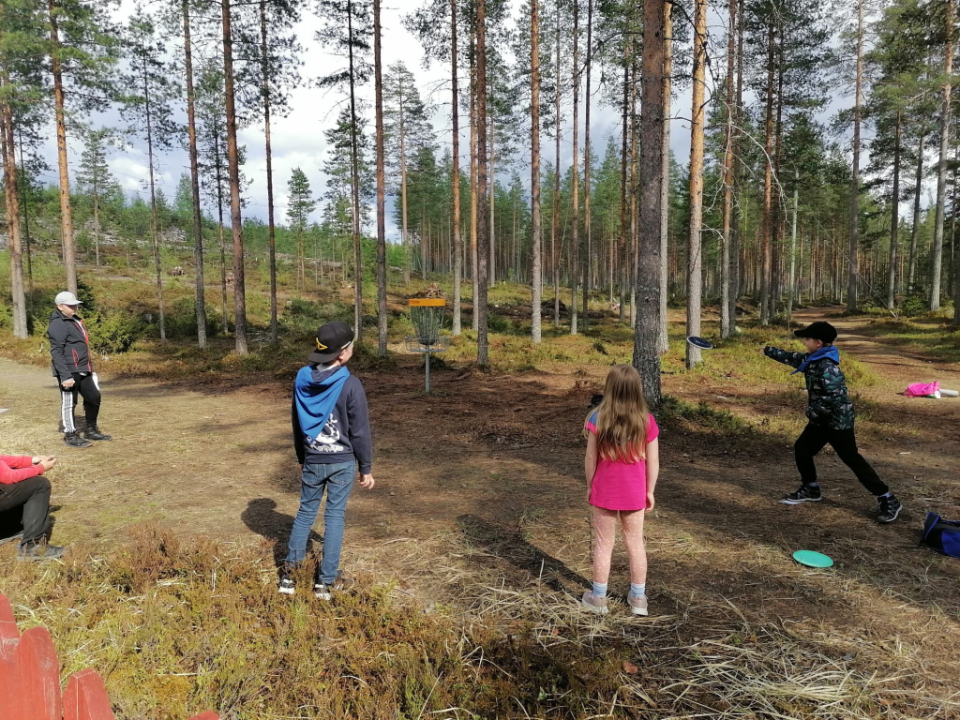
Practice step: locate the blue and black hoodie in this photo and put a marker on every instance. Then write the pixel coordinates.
(331, 423)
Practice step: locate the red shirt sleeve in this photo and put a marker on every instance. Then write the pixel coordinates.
(14, 468)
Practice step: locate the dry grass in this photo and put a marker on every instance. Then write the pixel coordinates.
(178, 625)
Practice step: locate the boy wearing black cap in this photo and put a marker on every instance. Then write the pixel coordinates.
(331, 435)
(831, 419)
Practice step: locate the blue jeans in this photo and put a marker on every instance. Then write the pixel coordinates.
(338, 481)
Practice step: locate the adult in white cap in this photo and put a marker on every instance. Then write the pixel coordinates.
(73, 368)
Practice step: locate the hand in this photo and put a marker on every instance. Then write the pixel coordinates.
(36, 460)
(763, 351)
(367, 481)
(67, 384)
(48, 463)
(650, 502)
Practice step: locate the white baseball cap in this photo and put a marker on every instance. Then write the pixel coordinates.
(66, 298)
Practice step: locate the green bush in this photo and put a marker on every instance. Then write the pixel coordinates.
(303, 317)
(913, 306)
(180, 320)
(115, 333)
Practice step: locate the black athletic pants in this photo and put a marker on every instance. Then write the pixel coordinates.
(844, 442)
(34, 495)
(87, 387)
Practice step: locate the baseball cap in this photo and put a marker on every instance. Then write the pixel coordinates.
(66, 298)
(332, 339)
(820, 330)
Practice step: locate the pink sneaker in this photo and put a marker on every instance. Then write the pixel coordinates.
(638, 605)
(594, 604)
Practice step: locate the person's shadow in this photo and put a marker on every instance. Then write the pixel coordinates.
(510, 545)
(262, 518)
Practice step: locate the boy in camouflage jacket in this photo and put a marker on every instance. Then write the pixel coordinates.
(830, 418)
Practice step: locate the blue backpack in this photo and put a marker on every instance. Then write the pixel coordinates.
(942, 535)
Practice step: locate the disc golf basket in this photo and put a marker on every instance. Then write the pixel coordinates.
(427, 316)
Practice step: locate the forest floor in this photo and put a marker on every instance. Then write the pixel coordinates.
(478, 516)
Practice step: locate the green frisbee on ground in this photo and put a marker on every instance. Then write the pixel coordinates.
(812, 559)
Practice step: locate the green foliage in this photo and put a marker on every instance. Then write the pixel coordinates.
(113, 333)
(302, 317)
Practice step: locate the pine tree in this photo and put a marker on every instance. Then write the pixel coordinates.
(83, 48)
(406, 131)
(147, 105)
(347, 27)
(645, 356)
(300, 204)
(94, 176)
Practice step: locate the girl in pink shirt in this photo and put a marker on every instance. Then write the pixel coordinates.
(621, 466)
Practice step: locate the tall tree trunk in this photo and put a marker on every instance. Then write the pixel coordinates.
(201, 308)
(355, 182)
(483, 244)
(937, 264)
(735, 265)
(792, 278)
(492, 270)
(766, 274)
(25, 206)
(271, 231)
(455, 116)
(663, 338)
(11, 196)
(645, 356)
(853, 276)
(66, 214)
(588, 229)
(381, 188)
(154, 220)
(575, 190)
(624, 230)
(915, 230)
(407, 255)
(536, 240)
(474, 253)
(694, 259)
(220, 239)
(233, 163)
(894, 218)
(555, 243)
(726, 289)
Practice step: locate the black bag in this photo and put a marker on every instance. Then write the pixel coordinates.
(942, 535)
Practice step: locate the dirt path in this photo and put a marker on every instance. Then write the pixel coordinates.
(492, 464)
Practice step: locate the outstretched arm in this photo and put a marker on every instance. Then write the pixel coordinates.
(792, 359)
(590, 462)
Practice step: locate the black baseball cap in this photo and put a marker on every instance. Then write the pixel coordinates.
(332, 339)
(820, 330)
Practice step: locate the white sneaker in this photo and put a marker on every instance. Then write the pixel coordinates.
(638, 605)
(594, 604)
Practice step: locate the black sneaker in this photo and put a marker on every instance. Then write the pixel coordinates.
(890, 509)
(74, 440)
(40, 551)
(324, 591)
(93, 433)
(806, 493)
(287, 586)
(5, 540)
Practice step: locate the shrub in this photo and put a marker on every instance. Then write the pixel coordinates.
(115, 333)
(912, 306)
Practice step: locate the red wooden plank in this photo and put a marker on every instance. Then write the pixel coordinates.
(8, 623)
(39, 674)
(11, 699)
(209, 715)
(86, 698)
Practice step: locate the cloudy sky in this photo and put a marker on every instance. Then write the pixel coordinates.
(298, 139)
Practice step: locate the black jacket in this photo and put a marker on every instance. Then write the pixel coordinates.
(828, 403)
(69, 345)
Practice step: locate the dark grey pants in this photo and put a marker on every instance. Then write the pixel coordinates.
(33, 495)
(844, 443)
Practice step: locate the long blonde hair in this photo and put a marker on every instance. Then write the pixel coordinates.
(622, 417)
